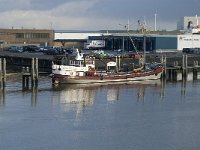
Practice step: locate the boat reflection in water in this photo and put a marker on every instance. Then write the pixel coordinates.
(74, 96)
(85, 94)
(113, 94)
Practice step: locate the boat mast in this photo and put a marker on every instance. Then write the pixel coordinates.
(144, 45)
(142, 29)
(127, 30)
(131, 40)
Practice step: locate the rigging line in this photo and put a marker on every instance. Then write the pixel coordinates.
(132, 41)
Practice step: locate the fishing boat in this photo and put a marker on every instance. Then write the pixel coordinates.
(82, 70)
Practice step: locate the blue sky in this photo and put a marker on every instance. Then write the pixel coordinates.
(94, 14)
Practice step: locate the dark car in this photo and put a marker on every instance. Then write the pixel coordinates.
(15, 49)
(31, 48)
(51, 51)
(191, 50)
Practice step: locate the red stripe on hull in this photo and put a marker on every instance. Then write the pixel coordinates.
(63, 79)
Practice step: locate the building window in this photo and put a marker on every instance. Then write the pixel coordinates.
(20, 35)
(32, 35)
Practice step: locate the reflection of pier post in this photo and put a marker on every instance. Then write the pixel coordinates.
(140, 94)
(2, 72)
(163, 78)
(195, 70)
(2, 96)
(184, 66)
(34, 96)
(163, 83)
(183, 87)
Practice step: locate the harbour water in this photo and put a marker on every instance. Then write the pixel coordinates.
(154, 116)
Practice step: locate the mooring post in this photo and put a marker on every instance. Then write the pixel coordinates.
(25, 77)
(183, 61)
(186, 62)
(196, 63)
(119, 63)
(2, 96)
(195, 73)
(2, 72)
(116, 60)
(164, 63)
(170, 74)
(34, 72)
(184, 66)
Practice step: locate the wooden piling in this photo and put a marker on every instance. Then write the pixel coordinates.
(2, 72)
(184, 66)
(33, 74)
(164, 62)
(2, 96)
(195, 73)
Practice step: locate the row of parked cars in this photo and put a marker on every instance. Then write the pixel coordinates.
(191, 50)
(44, 49)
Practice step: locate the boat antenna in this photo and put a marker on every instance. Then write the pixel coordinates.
(197, 20)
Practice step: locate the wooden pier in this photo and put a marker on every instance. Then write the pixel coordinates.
(180, 70)
(177, 66)
(28, 74)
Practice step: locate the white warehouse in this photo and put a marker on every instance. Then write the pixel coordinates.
(79, 39)
(188, 41)
(76, 35)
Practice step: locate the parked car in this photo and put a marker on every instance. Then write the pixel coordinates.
(51, 51)
(15, 49)
(31, 48)
(44, 48)
(191, 50)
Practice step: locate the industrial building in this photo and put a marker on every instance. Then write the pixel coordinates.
(27, 36)
(115, 40)
(112, 40)
(69, 39)
(188, 41)
(136, 41)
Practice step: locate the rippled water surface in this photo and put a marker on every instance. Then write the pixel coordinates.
(153, 116)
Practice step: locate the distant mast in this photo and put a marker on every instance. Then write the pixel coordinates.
(128, 25)
(197, 20)
(155, 29)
